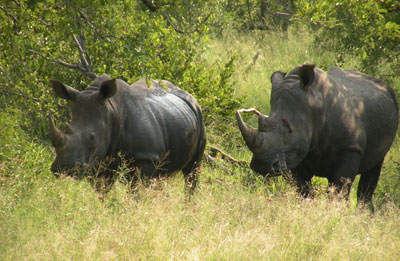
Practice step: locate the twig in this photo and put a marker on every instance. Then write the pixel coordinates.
(85, 17)
(181, 31)
(228, 157)
(30, 15)
(2, 89)
(159, 52)
(9, 14)
(212, 161)
(7, 76)
(15, 21)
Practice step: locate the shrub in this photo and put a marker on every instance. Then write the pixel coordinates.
(367, 29)
(123, 39)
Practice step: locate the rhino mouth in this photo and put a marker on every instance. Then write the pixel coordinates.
(271, 167)
(74, 170)
(272, 173)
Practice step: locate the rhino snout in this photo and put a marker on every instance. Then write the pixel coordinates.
(272, 166)
(68, 169)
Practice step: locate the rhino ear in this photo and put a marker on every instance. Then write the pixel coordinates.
(306, 74)
(277, 77)
(108, 88)
(64, 91)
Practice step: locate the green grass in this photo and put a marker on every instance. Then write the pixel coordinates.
(233, 215)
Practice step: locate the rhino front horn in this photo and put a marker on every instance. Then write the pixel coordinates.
(57, 137)
(250, 135)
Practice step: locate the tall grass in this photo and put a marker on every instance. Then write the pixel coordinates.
(64, 219)
(233, 215)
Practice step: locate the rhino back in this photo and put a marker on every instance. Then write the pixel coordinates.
(362, 115)
(157, 125)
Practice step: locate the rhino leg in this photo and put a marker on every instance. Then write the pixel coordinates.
(367, 185)
(146, 168)
(302, 179)
(344, 171)
(191, 171)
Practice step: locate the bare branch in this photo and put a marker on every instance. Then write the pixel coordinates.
(8, 13)
(3, 89)
(7, 76)
(13, 18)
(227, 157)
(159, 52)
(213, 162)
(69, 65)
(185, 32)
(98, 33)
(85, 65)
(84, 62)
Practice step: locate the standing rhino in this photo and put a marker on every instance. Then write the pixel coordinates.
(334, 125)
(159, 129)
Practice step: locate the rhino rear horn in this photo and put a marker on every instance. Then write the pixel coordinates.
(57, 137)
(250, 135)
(265, 124)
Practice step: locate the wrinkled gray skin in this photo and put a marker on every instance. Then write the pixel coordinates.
(334, 125)
(160, 129)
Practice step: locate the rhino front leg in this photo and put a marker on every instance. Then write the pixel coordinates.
(344, 169)
(146, 168)
(302, 179)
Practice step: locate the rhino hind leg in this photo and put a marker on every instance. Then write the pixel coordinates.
(191, 170)
(190, 173)
(367, 185)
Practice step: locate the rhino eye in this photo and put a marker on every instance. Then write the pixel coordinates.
(287, 125)
(92, 138)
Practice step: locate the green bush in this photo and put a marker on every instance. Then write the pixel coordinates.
(369, 30)
(123, 39)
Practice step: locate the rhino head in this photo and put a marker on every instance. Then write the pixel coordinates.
(270, 144)
(282, 139)
(87, 138)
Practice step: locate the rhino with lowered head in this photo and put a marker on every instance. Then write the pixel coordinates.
(334, 125)
(159, 129)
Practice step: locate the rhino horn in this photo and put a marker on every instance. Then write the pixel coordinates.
(250, 135)
(57, 137)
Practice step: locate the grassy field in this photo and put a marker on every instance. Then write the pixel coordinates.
(233, 215)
